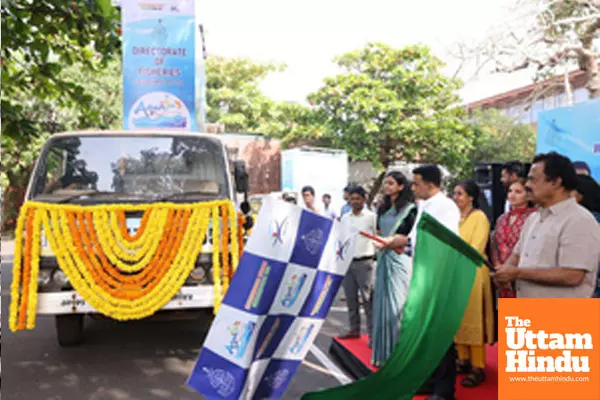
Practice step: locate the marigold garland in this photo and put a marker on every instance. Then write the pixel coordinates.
(216, 264)
(121, 275)
(241, 222)
(225, 254)
(123, 225)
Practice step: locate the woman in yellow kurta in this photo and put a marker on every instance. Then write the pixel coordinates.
(477, 328)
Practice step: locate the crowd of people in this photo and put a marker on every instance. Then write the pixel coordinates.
(546, 244)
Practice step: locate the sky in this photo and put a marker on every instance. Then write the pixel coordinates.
(306, 35)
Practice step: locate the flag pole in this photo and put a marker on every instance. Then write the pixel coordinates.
(380, 240)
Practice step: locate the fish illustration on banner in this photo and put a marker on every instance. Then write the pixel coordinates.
(286, 281)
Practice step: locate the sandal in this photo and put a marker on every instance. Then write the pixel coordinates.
(463, 367)
(474, 379)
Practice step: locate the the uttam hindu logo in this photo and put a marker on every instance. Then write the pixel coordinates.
(548, 349)
(524, 344)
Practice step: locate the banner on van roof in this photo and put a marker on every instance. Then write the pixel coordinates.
(159, 65)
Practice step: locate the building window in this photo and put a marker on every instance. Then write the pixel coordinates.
(537, 107)
(525, 114)
(548, 103)
(580, 95)
(561, 100)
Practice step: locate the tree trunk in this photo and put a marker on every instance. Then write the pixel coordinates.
(385, 150)
(11, 204)
(593, 77)
(375, 188)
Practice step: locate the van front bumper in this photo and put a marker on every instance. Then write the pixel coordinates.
(71, 302)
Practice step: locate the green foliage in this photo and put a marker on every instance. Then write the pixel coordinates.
(42, 38)
(293, 123)
(105, 87)
(498, 139)
(18, 153)
(235, 100)
(394, 104)
(233, 96)
(18, 158)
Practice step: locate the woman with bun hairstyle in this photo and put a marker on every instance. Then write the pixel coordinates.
(477, 327)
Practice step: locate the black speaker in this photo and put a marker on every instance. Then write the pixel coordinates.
(493, 193)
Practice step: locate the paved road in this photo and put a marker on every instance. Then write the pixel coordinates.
(136, 360)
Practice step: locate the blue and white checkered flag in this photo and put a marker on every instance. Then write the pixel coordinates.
(287, 278)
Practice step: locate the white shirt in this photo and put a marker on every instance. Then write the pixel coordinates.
(318, 209)
(441, 208)
(365, 221)
(330, 213)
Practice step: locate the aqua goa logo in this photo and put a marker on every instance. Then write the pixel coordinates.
(241, 333)
(342, 249)
(278, 230)
(526, 348)
(159, 110)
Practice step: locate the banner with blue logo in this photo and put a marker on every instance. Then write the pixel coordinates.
(158, 64)
(573, 131)
(287, 279)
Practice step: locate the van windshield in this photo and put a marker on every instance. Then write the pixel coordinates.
(130, 167)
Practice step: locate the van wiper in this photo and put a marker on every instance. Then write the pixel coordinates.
(212, 195)
(80, 195)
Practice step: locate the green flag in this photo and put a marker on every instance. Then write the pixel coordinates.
(444, 269)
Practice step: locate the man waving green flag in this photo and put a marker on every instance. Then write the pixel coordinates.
(444, 269)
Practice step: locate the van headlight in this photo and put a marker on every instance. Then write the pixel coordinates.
(60, 278)
(198, 274)
(44, 277)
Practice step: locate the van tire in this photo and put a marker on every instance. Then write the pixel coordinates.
(69, 329)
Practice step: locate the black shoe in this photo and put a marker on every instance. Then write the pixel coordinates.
(474, 379)
(464, 367)
(350, 335)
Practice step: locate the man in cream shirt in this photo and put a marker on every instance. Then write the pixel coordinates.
(559, 248)
(359, 278)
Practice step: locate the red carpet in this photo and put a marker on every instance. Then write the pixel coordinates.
(489, 390)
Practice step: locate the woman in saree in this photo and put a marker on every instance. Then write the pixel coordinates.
(477, 327)
(396, 215)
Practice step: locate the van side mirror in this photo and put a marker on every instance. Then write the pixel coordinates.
(241, 176)
(249, 222)
(245, 207)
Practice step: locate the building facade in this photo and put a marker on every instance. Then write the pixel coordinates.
(524, 104)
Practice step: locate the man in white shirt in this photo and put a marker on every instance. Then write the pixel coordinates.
(308, 195)
(328, 211)
(359, 278)
(426, 187)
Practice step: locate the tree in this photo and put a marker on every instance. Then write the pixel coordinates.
(48, 116)
(394, 104)
(42, 38)
(233, 96)
(235, 100)
(498, 138)
(293, 123)
(549, 36)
